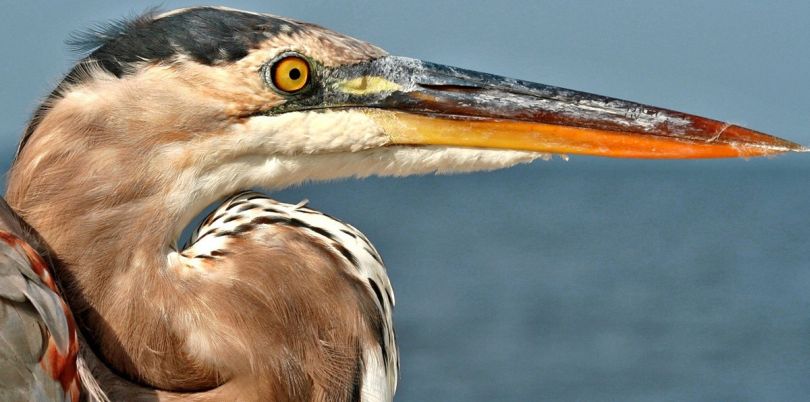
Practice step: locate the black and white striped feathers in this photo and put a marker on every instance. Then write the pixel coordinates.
(252, 215)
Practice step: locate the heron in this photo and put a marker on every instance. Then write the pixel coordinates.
(169, 113)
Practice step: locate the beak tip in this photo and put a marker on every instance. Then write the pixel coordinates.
(766, 143)
(790, 146)
(784, 148)
(800, 148)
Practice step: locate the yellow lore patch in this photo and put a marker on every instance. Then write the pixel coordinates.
(368, 85)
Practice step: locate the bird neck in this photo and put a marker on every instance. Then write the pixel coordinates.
(109, 192)
(113, 229)
(111, 234)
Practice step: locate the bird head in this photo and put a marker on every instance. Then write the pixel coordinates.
(208, 101)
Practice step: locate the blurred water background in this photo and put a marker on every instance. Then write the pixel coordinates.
(587, 280)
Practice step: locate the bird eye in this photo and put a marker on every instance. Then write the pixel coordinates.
(289, 74)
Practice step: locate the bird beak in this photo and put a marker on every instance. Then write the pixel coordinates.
(422, 103)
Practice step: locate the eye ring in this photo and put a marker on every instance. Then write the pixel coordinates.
(289, 73)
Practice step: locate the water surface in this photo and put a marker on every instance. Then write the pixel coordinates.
(595, 280)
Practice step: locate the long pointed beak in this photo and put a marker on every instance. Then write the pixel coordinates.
(421, 103)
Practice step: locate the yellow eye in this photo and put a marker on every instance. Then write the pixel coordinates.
(290, 74)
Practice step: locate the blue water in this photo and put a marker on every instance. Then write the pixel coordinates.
(595, 280)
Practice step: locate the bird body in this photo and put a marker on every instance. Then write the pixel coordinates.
(37, 330)
(269, 301)
(252, 231)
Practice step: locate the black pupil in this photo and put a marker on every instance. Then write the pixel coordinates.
(295, 74)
